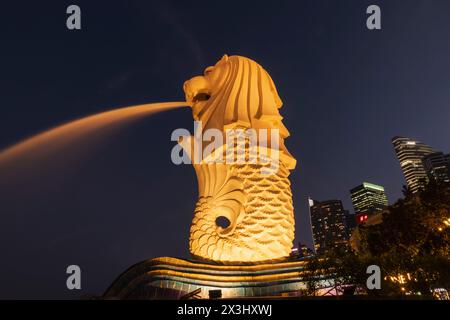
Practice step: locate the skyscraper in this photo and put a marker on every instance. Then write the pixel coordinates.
(367, 199)
(410, 154)
(328, 224)
(437, 166)
(350, 222)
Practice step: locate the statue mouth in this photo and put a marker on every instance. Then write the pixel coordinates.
(197, 90)
(201, 96)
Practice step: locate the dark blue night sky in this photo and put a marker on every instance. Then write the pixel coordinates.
(346, 91)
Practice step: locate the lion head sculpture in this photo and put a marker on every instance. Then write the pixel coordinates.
(237, 93)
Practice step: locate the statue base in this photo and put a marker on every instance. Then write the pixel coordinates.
(172, 278)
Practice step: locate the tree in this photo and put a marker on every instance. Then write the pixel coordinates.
(411, 245)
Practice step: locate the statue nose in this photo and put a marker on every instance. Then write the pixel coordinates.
(188, 92)
(189, 86)
(185, 87)
(195, 86)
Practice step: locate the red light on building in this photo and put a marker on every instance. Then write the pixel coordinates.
(360, 218)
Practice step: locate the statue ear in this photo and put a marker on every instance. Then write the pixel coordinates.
(224, 58)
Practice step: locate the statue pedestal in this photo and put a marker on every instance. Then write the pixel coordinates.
(172, 278)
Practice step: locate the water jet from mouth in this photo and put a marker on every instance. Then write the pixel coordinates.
(52, 140)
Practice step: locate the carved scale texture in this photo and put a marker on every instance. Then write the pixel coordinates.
(258, 205)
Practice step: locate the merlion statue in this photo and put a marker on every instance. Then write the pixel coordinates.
(237, 93)
(244, 219)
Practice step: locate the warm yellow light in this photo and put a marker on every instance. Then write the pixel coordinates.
(52, 139)
(257, 205)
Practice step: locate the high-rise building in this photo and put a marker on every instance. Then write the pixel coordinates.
(437, 166)
(367, 199)
(410, 154)
(350, 222)
(328, 224)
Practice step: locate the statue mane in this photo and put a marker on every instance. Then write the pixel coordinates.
(242, 95)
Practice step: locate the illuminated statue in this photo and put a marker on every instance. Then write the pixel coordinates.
(237, 93)
(244, 218)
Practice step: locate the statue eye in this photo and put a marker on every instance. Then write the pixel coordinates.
(208, 70)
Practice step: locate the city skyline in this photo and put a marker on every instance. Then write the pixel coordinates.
(420, 162)
(369, 198)
(410, 154)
